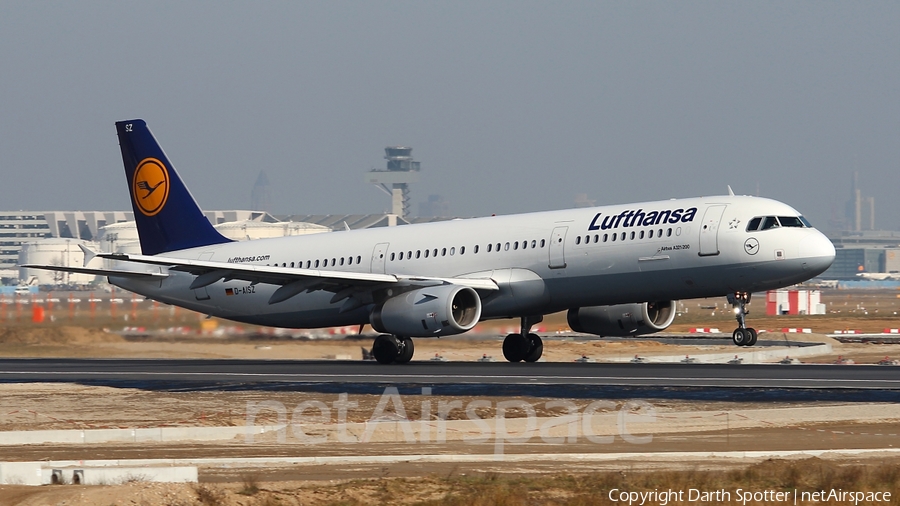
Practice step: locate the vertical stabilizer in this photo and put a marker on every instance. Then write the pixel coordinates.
(168, 218)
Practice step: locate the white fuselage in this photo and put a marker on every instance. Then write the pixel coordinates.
(543, 262)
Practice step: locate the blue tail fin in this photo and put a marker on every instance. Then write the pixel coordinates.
(167, 216)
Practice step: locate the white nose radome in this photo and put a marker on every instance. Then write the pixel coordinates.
(817, 252)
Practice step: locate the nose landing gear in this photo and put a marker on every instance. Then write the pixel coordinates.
(743, 335)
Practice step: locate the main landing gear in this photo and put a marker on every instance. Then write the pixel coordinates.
(391, 349)
(525, 345)
(743, 335)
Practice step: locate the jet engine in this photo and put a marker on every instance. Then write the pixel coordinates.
(623, 320)
(441, 310)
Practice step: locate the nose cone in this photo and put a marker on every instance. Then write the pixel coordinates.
(817, 252)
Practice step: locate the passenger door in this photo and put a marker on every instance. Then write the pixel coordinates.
(379, 255)
(709, 230)
(558, 248)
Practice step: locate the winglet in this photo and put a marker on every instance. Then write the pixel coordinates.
(89, 254)
(730, 191)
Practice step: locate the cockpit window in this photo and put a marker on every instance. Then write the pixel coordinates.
(769, 222)
(790, 221)
(754, 224)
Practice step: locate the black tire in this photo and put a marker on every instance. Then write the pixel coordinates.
(516, 347)
(406, 350)
(386, 349)
(536, 348)
(740, 337)
(753, 336)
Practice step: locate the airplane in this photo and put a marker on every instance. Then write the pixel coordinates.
(879, 276)
(616, 269)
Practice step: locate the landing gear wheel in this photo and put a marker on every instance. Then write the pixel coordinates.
(740, 337)
(406, 350)
(386, 348)
(753, 336)
(516, 347)
(536, 348)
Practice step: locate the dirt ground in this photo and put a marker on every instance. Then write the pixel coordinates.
(680, 425)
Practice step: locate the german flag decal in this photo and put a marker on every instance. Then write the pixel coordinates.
(229, 291)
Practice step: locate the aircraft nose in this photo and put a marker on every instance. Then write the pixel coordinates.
(817, 251)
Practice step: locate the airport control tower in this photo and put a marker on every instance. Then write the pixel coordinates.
(401, 170)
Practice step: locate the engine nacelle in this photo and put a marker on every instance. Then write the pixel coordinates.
(623, 320)
(441, 310)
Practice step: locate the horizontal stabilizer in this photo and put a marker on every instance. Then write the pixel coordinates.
(97, 272)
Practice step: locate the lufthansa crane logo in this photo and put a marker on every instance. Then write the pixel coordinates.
(150, 187)
(751, 246)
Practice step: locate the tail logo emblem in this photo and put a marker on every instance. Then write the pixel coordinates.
(150, 186)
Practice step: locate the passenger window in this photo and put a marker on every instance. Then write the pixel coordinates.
(533, 244)
(489, 247)
(434, 252)
(516, 245)
(443, 252)
(418, 253)
(790, 221)
(498, 247)
(401, 255)
(605, 237)
(769, 222)
(462, 250)
(317, 264)
(342, 260)
(754, 224)
(452, 251)
(333, 262)
(632, 235)
(426, 253)
(476, 249)
(506, 247)
(308, 264)
(669, 233)
(358, 259)
(642, 234)
(596, 238)
(578, 240)
(542, 243)
(409, 255)
(659, 233)
(292, 265)
(650, 234)
(614, 237)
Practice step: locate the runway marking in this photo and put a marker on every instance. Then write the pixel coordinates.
(394, 377)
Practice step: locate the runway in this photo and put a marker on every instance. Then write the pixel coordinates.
(194, 373)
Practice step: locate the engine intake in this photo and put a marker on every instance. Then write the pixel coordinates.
(623, 320)
(431, 311)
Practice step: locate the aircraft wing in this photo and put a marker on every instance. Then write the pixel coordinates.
(294, 280)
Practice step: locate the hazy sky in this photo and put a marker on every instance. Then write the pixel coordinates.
(509, 106)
